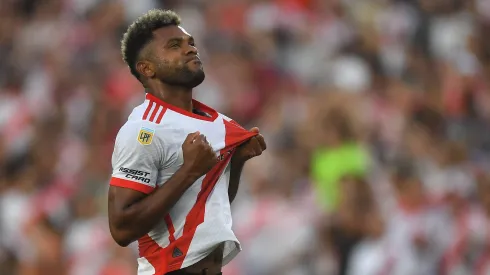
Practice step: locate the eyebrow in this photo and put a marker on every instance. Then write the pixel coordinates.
(179, 39)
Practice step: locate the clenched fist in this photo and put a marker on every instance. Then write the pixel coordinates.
(250, 149)
(199, 156)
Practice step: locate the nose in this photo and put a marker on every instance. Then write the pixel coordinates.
(191, 50)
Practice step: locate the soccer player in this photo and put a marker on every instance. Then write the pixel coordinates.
(176, 162)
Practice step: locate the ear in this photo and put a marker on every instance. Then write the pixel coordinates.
(145, 68)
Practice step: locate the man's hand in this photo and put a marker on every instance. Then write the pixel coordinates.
(199, 156)
(250, 149)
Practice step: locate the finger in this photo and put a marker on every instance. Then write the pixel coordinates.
(255, 147)
(257, 152)
(191, 137)
(254, 130)
(202, 139)
(261, 141)
(213, 155)
(205, 140)
(245, 143)
(210, 148)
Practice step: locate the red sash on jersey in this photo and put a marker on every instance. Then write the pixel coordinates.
(163, 259)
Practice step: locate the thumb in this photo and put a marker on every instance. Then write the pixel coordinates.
(254, 130)
(191, 137)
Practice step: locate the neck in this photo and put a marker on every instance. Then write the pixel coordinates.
(175, 95)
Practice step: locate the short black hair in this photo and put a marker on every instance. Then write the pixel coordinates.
(140, 33)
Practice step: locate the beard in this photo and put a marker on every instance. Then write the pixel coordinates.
(182, 76)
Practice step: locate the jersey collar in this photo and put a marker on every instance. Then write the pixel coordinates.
(195, 104)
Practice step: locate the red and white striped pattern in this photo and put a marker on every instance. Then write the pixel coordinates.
(154, 112)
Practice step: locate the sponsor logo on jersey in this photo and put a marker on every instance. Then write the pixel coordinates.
(145, 136)
(137, 175)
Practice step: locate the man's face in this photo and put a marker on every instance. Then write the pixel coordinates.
(175, 57)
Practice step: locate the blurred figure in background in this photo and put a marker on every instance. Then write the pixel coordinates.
(340, 155)
(347, 224)
(372, 255)
(480, 229)
(414, 226)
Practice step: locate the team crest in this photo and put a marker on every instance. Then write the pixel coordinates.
(145, 136)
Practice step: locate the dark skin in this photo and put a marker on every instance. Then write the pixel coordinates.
(250, 149)
(169, 68)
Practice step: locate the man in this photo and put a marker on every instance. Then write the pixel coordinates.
(176, 161)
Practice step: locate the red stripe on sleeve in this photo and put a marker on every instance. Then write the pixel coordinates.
(131, 185)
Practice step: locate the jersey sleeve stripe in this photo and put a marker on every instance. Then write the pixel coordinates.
(150, 105)
(131, 185)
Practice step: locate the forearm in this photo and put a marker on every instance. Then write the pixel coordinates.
(235, 174)
(138, 218)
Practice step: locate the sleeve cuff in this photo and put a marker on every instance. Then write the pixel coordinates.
(131, 185)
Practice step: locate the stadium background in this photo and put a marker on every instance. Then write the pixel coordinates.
(376, 114)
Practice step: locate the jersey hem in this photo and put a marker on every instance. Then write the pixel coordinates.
(226, 258)
(131, 185)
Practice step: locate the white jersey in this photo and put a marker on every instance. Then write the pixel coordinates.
(148, 151)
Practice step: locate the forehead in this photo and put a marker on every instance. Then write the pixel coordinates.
(170, 32)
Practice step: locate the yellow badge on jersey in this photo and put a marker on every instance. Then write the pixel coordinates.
(145, 136)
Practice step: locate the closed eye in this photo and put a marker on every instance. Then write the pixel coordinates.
(174, 43)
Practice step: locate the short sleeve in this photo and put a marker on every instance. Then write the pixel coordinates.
(136, 158)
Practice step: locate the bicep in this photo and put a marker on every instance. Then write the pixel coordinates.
(121, 198)
(121, 216)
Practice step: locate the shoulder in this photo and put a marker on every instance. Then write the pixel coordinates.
(145, 138)
(140, 133)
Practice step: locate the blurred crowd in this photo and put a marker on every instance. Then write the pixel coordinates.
(376, 114)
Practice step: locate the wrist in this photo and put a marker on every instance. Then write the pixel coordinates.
(238, 161)
(189, 176)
